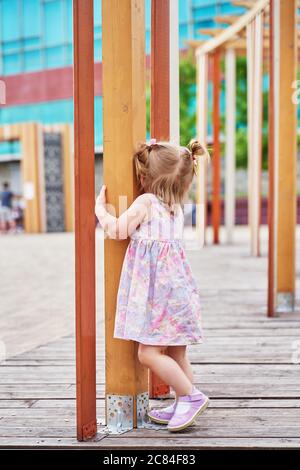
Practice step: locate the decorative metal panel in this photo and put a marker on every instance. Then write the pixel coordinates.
(54, 194)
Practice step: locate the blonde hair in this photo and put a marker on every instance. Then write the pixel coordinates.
(167, 170)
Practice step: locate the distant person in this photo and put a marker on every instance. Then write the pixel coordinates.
(6, 213)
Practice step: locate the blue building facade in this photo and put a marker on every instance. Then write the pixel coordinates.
(36, 35)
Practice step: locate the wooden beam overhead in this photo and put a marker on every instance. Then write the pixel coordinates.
(240, 44)
(243, 3)
(233, 30)
(226, 19)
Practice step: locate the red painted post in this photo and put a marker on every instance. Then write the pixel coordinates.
(160, 108)
(271, 168)
(84, 219)
(216, 209)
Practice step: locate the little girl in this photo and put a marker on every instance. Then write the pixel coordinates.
(158, 303)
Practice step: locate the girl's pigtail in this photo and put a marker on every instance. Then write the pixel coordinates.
(198, 150)
(141, 160)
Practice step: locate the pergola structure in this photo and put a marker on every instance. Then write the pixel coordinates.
(266, 32)
(125, 123)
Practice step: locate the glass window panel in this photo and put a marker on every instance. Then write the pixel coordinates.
(97, 12)
(148, 14)
(98, 121)
(54, 23)
(10, 20)
(69, 21)
(183, 10)
(11, 64)
(11, 46)
(148, 42)
(183, 34)
(69, 55)
(98, 50)
(31, 18)
(54, 57)
(32, 60)
(10, 147)
(30, 43)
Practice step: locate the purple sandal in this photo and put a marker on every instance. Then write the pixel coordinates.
(187, 409)
(162, 415)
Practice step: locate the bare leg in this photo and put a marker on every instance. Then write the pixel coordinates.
(179, 354)
(166, 368)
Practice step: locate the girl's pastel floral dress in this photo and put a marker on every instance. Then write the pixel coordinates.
(158, 301)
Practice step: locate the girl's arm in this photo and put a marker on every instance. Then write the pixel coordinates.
(119, 228)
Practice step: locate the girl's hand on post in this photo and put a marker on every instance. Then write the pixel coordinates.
(101, 199)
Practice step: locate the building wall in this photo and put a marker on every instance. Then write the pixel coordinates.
(36, 54)
(37, 34)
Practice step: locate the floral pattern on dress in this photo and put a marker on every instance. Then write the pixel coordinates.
(158, 301)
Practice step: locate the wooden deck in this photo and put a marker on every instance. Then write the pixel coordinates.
(245, 366)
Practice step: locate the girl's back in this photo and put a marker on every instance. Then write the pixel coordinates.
(161, 224)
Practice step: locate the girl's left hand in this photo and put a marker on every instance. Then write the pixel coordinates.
(101, 199)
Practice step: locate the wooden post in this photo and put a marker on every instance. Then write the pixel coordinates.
(84, 218)
(31, 144)
(271, 171)
(283, 144)
(68, 166)
(124, 120)
(216, 212)
(201, 196)
(160, 69)
(174, 74)
(230, 143)
(161, 103)
(255, 72)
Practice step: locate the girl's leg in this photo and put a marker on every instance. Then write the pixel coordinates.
(165, 367)
(179, 354)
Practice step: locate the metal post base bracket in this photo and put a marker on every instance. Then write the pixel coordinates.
(285, 302)
(119, 412)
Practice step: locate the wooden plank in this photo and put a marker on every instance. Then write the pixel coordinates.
(124, 101)
(13, 406)
(84, 218)
(161, 105)
(152, 443)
